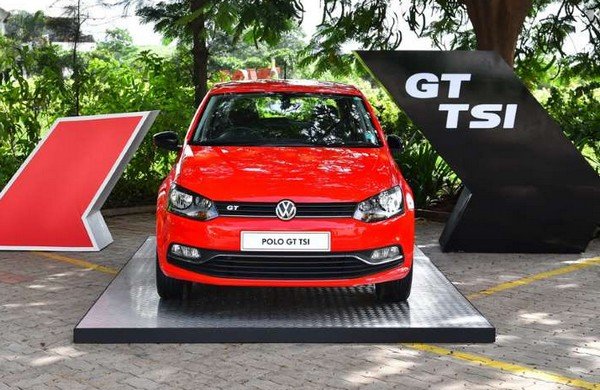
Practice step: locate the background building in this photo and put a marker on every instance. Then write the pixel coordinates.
(3, 16)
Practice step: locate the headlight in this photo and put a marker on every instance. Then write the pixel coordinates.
(188, 204)
(381, 206)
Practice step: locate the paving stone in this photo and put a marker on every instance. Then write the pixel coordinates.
(550, 325)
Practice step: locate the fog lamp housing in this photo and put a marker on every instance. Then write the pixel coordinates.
(186, 253)
(386, 254)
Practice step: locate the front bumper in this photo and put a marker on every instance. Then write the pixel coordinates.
(222, 235)
(284, 265)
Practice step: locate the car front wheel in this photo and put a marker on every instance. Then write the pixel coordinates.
(396, 290)
(169, 288)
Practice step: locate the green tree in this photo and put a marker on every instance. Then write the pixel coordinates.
(196, 22)
(118, 44)
(483, 24)
(25, 27)
(226, 53)
(141, 81)
(33, 92)
(77, 16)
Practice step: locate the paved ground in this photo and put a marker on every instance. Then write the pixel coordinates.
(546, 309)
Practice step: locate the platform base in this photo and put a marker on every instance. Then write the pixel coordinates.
(130, 311)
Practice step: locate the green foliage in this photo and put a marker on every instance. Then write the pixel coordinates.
(255, 21)
(195, 24)
(546, 36)
(117, 77)
(118, 44)
(430, 178)
(25, 27)
(376, 25)
(226, 53)
(372, 24)
(166, 17)
(34, 93)
(546, 32)
(577, 110)
(32, 86)
(266, 20)
(142, 83)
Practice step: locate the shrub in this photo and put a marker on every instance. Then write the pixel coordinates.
(32, 94)
(143, 82)
(577, 110)
(117, 77)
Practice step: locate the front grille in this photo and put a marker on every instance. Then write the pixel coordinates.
(273, 265)
(304, 210)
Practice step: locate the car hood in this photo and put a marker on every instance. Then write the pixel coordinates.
(269, 174)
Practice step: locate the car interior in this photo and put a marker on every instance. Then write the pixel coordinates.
(286, 119)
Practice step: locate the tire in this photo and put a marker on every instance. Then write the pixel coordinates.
(396, 290)
(169, 288)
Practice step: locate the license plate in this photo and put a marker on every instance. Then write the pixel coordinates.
(286, 241)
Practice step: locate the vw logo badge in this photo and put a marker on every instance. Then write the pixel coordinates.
(285, 210)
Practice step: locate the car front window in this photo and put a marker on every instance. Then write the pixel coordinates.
(286, 119)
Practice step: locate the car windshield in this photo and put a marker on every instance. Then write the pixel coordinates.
(286, 119)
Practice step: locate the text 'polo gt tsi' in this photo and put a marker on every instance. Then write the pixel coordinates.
(288, 184)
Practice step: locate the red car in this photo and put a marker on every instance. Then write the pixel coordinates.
(287, 184)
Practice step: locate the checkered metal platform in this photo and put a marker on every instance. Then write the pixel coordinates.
(130, 311)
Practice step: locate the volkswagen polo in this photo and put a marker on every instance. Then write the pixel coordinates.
(286, 184)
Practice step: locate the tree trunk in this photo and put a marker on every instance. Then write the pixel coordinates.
(199, 53)
(497, 24)
(75, 59)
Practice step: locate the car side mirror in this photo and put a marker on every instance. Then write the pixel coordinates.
(395, 143)
(168, 140)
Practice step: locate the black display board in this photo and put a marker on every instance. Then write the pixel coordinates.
(130, 311)
(527, 188)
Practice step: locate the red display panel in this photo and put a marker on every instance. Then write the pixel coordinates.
(53, 202)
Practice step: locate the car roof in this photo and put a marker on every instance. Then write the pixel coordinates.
(309, 86)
